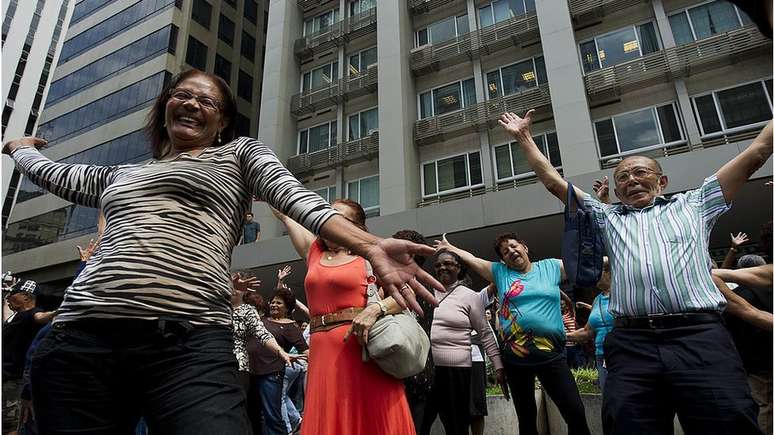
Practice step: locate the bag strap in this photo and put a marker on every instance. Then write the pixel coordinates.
(372, 294)
(572, 198)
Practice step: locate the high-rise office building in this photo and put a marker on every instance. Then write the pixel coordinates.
(115, 60)
(395, 104)
(32, 37)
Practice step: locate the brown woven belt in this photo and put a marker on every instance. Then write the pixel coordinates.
(329, 321)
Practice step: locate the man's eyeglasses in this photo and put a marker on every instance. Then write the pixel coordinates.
(208, 103)
(637, 173)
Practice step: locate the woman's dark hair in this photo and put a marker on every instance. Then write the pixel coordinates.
(504, 238)
(360, 216)
(155, 124)
(463, 273)
(288, 298)
(413, 236)
(256, 300)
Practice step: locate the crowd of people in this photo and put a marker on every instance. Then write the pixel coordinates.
(156, 334)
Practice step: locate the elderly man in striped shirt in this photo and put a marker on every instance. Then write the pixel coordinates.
(669, 352)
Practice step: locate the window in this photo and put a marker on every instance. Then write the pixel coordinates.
(452, 174)
(124, 101)
(705, 20)
(245, 86)
(233, 3)
(226, 30)
(222, 68)
(442, 31)
(319, 77)
(327, 193)
(86, 8)
(242, 125)
(54, 226)
(321, 23)
(251, 11)
(201, 13)
(111, 27)
(619, 46)
(728, 109)
(642, 129)
(502, 10)
(317, 138)
(359, 6)
(516, 78)
(196, 56)
(447, 98)
(265, 21)
(248, 46)
(112, 64)
(363, 124)
(359, 62)
(511, 163)
(365, 192)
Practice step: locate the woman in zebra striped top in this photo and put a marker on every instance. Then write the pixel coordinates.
(145, 329)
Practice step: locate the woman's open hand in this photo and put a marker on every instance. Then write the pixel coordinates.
(12, 145)
(243, 283)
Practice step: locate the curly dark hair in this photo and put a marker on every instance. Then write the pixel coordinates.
(413, 236)
(288, 298)
(256, 300)
(504, 237)
(155, 124)
(463, 273)
(360, 215)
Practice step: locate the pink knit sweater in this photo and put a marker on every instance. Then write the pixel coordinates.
(459, 312)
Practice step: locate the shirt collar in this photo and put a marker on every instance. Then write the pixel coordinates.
(659, 200)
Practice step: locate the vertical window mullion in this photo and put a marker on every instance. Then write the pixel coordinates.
(654, 112)
(639, 38)
(719, 111)
(738, 17)
(766, 93)
(596, 49)
(615, 133)
(690, 24)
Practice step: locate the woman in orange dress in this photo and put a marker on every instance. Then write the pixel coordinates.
(344, 395)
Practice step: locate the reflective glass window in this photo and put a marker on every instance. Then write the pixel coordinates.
(251, 11)
(226, 30)
(196, 54)
(245, 86)
(247, 47)
(201, 12)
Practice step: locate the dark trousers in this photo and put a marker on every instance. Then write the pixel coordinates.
(450, 400)
(558, 383)
(99, 376)
(266, 399)
(693, 371)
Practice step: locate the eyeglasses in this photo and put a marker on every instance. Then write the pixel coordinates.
(637, 173)
(208, 103)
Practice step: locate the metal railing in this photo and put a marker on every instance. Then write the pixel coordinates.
(481, 115)
(308, 5)
(333, 93)
(517, 30)
(337, 33)
(676, 62)
(584, 11)
(422, 6)
(354, 151)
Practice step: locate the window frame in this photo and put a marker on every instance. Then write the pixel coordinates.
(350, 12)
(333, 11)
(358, 113)
(490, 4)
(327, 192)
(311, 88)
(432, 100)
(653, 108)
(511, 144)
(719, 111)
(430, 32)
(359, 55)
(684, 10)
(499, 69)
(438, 192)
(633, 26)
(371, 209)
(331, 139)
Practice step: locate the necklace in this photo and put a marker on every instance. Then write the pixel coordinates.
(330, 255)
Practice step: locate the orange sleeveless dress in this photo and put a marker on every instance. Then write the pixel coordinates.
(344, 395)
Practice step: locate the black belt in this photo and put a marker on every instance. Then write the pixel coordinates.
(666, 321)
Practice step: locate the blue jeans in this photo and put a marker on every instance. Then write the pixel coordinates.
(290, 414)
(269, 390)
(602, 371)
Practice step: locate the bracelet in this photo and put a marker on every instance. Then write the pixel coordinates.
(382, 307)
(19, 148)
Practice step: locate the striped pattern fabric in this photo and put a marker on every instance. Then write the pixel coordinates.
(171, 228)
(659, 255)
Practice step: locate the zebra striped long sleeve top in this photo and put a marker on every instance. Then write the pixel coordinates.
(171, 226)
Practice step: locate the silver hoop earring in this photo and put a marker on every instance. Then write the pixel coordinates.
(219, 141)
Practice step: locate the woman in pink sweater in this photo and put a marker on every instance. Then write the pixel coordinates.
(460, 310)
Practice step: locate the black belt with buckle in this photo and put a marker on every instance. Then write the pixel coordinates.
(666, 321)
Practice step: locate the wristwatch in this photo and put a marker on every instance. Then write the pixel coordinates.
(382, 308)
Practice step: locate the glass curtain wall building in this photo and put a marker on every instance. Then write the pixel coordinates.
(115, 59)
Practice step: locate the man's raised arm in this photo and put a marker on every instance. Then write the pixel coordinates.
(519, 128)
(736, 172)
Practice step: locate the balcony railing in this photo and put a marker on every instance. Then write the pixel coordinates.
(422, 6)
(676, 62)
(588, 11)
(332, 94)
(481, 115)
(355, 151)
(337, 33)
(308, 5)
(521, 30)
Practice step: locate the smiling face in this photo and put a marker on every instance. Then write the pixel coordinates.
(638, 181)
(277, 308)
(515, 254)
(191, 124)
(447, 269)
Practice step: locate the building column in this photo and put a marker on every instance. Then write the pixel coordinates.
(478, 77)
(277, 127)
(683, 100)
(574, 127)
(398, 156)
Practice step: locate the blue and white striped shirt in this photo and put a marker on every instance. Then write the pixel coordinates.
(659, 255)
